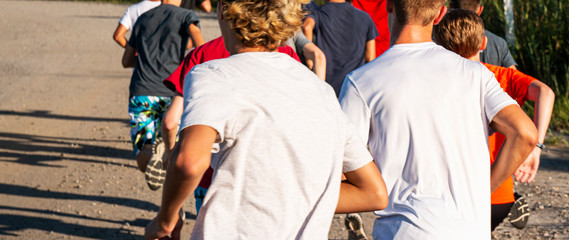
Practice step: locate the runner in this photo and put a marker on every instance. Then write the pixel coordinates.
(214, 49)
(281, 139)
(129, 19)
(148, 98)
(462, 32)
(424, 112)
(345, 35)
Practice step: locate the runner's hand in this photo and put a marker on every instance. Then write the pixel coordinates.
(154, 231)
(527, 171)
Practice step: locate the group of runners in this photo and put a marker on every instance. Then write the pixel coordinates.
(246, 123)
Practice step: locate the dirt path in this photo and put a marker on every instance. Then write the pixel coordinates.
(66, 168)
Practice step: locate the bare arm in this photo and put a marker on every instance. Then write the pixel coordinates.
(119, 35)
(544, 98)
(129, 57)
(170, 124)
(196, 35)
(315, 60)
(363, 190)
(191, 158)
(370, 50)
(308, 28)
(521, 137)
(205, 6)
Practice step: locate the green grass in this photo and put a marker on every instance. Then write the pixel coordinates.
(541, 49)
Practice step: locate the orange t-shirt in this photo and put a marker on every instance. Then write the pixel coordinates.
(516, 84)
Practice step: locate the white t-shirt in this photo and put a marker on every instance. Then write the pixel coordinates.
(134, 11)
(283, 144)
(425, 112)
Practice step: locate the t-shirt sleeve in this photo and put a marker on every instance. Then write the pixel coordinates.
(208, 100)
(300, 41)
(372, 30)
(125, 20)
(518, 84)
(494, 97)
(314, 15)
(355, 108)
(507, 59)
(191, 18)
(289, 51)
(175, 81)
(356, 154)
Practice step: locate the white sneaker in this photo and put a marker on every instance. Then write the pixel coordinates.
(155, 173)
(355, 226)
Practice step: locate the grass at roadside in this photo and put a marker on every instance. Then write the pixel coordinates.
(541, 47)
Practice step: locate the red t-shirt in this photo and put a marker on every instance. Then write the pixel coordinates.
(377, 12)
(214, 49)
(516, 84)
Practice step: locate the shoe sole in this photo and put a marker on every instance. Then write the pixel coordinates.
(355, 226)
(519, 213)
(154, 173)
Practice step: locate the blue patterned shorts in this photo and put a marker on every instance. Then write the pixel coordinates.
(146, 113)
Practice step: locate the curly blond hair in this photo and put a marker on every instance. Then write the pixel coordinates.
(263, 23)
(460, 31)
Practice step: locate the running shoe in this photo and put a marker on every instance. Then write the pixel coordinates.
(155, 173)
(182, 214)
(355, 226)
(519, 213)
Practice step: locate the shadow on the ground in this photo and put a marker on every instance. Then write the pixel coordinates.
(556, 159)
(24, 191)
(48, 115)
(47, 151)
(10, 224)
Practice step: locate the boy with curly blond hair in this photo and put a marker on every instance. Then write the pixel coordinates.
(280, 139)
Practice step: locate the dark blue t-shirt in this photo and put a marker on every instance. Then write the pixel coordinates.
(341, 31)
(160, 37)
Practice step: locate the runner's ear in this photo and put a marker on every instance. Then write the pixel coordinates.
(440, 15)
(484, 43)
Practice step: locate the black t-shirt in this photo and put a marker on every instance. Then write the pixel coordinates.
(341, 31)
(160, 37)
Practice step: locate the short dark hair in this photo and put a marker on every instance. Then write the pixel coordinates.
(471, 5)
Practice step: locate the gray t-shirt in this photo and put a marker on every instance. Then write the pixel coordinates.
(497, 51)
(160, 37)
(297, 42)
(283, 144)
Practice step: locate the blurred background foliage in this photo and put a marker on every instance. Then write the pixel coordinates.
(541, 48)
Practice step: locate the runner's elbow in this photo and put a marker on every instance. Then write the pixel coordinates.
(170, 124)
(528, 136)
(381, 199)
